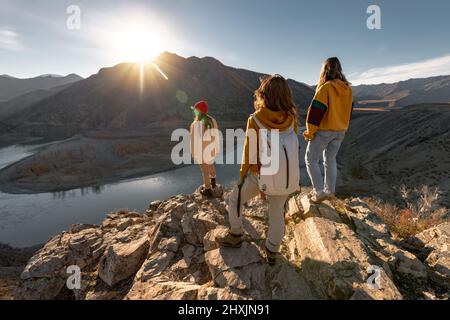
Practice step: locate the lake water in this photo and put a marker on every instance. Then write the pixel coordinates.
(28, 219)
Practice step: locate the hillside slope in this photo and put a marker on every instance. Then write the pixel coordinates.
(408, 147)
(22, 103)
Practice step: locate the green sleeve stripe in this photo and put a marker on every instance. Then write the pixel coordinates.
(316, 104)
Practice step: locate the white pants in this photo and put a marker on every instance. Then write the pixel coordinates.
(248, 191)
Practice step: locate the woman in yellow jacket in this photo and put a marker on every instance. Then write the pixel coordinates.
(327, 121)
(274, 110)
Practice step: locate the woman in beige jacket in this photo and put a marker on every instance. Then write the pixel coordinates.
(204, 145)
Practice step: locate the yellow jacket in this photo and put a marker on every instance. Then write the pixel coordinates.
(330, 109)
(271, 120)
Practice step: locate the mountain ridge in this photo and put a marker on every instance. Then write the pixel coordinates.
(112, 99)
(11, 87)
(404, 93)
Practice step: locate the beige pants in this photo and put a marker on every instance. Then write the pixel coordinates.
(250, 190)
(208, 172)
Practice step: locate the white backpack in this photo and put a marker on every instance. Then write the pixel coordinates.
(286, 179)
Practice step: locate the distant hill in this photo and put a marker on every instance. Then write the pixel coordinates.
(395, 148)
(404, 93)
(23, 102)
(11, 87)
(123, 98)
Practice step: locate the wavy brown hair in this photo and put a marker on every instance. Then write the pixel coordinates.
(275, 94)
(331, 70)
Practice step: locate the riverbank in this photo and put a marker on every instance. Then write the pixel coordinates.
(93, 159)
(85, 162)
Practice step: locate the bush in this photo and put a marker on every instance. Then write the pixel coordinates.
(420, 212)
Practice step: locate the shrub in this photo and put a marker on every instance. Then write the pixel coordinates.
(420, 212)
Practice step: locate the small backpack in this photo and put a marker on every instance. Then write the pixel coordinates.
(286, 179)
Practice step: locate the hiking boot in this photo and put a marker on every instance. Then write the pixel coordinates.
(317, 199)
(271, 257)
(206, 192)
(229, 240)
(213, 183)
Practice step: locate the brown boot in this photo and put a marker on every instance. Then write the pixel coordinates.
(229, 240)
(206, 192)
(213, 183)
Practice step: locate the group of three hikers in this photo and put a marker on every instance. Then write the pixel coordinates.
(327, 120)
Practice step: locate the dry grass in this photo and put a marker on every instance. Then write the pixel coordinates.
(420, 212)
(122, 150)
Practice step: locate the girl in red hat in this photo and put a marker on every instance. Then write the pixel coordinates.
(205, 145)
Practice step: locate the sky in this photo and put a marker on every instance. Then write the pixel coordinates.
(289, 37)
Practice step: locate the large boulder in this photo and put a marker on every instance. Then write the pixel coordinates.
(237, 268)
(196, 225)
(122, 260)
(47, 271)
(335, 262)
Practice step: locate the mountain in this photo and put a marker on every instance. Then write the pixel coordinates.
(23, 102)
(385, 151)
(11, 87)
(127, 97)
(404, 93)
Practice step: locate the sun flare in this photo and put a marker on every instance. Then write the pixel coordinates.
(138, 43)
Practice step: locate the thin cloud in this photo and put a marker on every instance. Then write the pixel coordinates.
(9, 40)
(422, 69)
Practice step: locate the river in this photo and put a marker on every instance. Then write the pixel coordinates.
(29, 219)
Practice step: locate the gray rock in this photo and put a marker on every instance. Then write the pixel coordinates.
(237, 268)
(408, 265)
(334, 261)
(435, 242)
(196, 226)
(209, 240)
(122, 261)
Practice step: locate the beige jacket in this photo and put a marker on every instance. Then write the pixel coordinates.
(205, 143)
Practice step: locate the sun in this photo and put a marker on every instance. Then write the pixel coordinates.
(138, 43)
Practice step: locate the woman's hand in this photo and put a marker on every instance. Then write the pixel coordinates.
(308, 136)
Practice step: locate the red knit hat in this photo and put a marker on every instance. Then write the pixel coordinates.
(202, 106)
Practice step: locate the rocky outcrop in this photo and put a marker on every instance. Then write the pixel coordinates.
(433, 245)
(336, 261)
(337, 250)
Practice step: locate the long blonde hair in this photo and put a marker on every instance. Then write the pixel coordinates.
(275, 94)
(331, 70)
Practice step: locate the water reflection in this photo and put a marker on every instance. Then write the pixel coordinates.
(29, 219)
(85, 191)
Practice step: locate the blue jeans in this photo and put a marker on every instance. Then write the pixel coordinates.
(326, 144)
